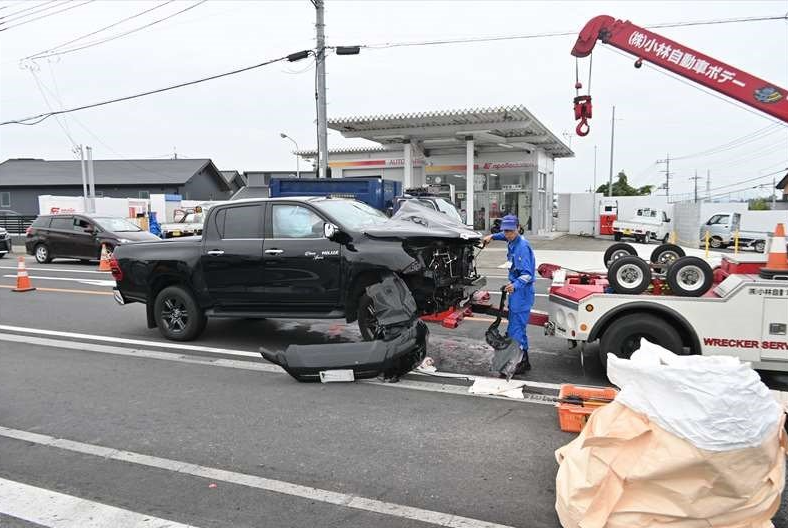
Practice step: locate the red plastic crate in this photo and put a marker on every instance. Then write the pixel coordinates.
(572, 418)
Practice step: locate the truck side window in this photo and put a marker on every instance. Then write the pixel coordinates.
(719, 219)
(242, 222)
(294, 221)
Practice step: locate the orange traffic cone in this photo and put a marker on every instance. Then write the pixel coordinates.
(22, 279)
(778, 259)
(104, 262)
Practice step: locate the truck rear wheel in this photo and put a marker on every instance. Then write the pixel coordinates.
(623, 336)
(760, 246)
(666, 253)
(616, 251)
(690, 276)
(629, 275)
(178, 315)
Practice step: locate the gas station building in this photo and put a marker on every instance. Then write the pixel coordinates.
(498, 160)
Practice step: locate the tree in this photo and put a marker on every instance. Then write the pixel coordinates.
(621, 187)
(759, 204)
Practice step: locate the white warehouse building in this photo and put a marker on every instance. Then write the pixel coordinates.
(499, 160)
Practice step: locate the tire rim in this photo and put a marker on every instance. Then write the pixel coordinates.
(371, 322)
(629, 276)
(715, 242)
(41, 253)
(175, 315)
(691, 278)
(667, 256)
(621, 253)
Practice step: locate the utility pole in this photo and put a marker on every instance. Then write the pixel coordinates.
(320, 58)
(666, 161)
(593, 189)
(774, 193)
(708, 185)
(612, 137)
(91, 181)
(696, 178)
(84, 179)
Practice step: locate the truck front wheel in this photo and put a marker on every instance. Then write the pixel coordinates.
(178, 315)
(368, 323)
(623, 336)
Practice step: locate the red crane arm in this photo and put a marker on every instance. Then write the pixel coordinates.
(681, 60)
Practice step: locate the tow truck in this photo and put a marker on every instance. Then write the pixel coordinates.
(679, 302)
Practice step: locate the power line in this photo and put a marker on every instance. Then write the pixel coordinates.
(734, 143)
(53, 48)
(750, 180)
(11, 15)
(120, 35)
(72, 6)
(495, 38)
(33, 120)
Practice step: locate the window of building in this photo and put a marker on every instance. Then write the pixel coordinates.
(294, 221)
(242, 222)
(144, 195)
(5, 199)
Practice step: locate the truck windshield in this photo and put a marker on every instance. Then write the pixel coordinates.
(353, 214)
(449, 209)
(117, 225)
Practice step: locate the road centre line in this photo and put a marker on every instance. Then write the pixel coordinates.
(59, 270)
(53, 509)
(62, 290)
(346, 500)
(460, 390)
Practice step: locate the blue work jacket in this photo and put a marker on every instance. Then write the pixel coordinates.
(521, 272)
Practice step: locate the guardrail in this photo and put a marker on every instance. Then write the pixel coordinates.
(17, 224)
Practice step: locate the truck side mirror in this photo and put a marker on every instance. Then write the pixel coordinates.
(330, 230)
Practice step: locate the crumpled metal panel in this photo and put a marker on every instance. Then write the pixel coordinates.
(394, 304)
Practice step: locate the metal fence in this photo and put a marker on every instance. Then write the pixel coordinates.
(16, 224)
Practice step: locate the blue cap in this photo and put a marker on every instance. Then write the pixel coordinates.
(509, 223)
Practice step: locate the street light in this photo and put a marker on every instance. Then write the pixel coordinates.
(285, 136)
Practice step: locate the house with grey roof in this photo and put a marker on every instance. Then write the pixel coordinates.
(23, 180)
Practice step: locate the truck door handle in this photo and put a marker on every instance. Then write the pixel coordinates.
(215, 252)
(274, 251)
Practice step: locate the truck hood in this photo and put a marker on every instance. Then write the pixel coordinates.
(413, 220)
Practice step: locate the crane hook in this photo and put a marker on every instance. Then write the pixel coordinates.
(583, 111)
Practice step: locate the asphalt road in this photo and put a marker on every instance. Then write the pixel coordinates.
(208, 434)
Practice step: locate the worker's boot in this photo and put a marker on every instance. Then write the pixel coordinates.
(524, 365)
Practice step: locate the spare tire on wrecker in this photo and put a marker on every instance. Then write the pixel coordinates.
(629, 275)
(690, 276)
(616, 251)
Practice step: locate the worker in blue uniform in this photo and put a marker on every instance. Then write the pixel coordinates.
(521, 283)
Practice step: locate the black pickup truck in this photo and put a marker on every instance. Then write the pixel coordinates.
(303, 258)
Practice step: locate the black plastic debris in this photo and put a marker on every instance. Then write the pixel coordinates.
(389, 358)
(507, 353)
(401, 348)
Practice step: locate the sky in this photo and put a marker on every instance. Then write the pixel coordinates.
(236, 121)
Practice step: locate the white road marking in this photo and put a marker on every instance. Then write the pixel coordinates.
(59, 270)
(91, 282)
(460, 390)
(126, 341)
(251, 481)
(53, 509)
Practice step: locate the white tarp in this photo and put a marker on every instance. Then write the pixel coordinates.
(716, 403)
